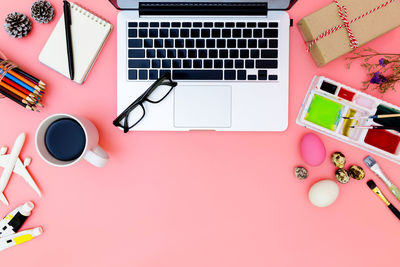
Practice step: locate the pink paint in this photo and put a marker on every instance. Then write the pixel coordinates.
(312, 149)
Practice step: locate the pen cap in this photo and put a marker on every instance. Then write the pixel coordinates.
(37, 231)
(27, 208)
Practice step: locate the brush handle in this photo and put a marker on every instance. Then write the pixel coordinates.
(395, 191)
(394, 210)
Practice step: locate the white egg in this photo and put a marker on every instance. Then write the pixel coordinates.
(323, 193)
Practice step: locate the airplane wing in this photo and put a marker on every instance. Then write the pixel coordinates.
(21, 171)
(4, 160)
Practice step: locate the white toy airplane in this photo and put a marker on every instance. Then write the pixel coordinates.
(11, 163)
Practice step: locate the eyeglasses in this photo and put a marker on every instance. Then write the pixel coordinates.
(133, 114)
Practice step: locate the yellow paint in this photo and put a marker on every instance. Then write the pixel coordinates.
(349, 122)
(380, 195)
(23, 238)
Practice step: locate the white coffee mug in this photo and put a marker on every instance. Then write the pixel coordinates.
(92, 152)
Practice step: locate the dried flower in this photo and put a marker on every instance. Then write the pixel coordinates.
(383, 73)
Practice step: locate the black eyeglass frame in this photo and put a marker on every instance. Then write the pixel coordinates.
(143, 98)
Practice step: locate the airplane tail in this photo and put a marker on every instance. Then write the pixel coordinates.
(3, 199)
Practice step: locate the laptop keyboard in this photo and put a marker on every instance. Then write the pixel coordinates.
(234, 51)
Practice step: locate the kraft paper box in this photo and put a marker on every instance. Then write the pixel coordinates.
(365, 29)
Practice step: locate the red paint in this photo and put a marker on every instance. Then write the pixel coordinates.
(343, 93)
(382, 139)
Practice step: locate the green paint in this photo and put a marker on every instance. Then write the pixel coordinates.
(324, 112)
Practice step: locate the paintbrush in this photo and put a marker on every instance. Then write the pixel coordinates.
(371, 184)
(382, 116)
(396, 128)
(373, 165)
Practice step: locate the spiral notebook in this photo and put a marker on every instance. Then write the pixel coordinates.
(89, 33)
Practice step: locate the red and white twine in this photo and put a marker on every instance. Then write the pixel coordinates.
(342, 12)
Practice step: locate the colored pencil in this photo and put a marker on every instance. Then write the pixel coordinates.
(15, 91)
(21, 80)
(31, 77)
(18, 87)
(382, 116)
(16, 100)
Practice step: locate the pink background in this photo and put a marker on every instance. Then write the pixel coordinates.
(189, 199)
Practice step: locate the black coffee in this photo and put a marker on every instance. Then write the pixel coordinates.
(65, 139)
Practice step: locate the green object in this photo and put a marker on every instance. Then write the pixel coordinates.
(324, 112)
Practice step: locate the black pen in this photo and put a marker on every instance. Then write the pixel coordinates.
(67, 22)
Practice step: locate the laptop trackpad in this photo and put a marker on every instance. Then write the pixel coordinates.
(203, 106)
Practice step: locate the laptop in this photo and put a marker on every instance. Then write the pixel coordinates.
(230, 59)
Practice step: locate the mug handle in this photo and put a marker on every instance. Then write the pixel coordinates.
(97, 156)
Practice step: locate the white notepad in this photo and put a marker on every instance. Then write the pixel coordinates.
(89, 34)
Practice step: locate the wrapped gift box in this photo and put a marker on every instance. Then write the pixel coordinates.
(380, 17)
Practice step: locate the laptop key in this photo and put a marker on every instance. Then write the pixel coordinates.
(205, 33)
(186, 24)
(216, 33)
(202, 53)
(269, 53)
(244, 53)
(213, 53)
(270, 33)
(187, 63)
(231, 43)
(184, 33)
(156, 63)
(148, 43)
(197, 75)
(218, 64)
(165, 24)
(143, 33)
(252, 43)
(153, 33)
(134, 43)
(273, 77)
(176, 64)
(221, 43)
(226, 33)
(174, 33)
(239, 64)
(241, 75)
(197, 24)
(192, 53)
(163, 32)
(240, 24)
(273, 24)
(142, 74)
(230, 75)
(132, 24)
(249, 64)
(162, 72)
(237, 33)
(171, 53)
(229, 24)
(223, 53)
(189, 43)
(132, 33)
(161, 53)
(195, 33)
(200, 43)
(263, 43)
(153, 74)
(158, 43)
(234, 53)
(266, 64)
(242, 43)
(132, 74)
(254, 53)
(262, 75)
(179, 43)
(169, 43)
(257, 33)
(136, 53)
(210, 43)
(207, 64)
(176, 24)
(154, 24)
(252, 77)
(228, 64)
(197, 64)
(143, 24)
(273, 43)
(151, 53)
(166, 63)
(181, 53)
(208, 24)
(247, 33)
(262, 25)
(219, 24)
(251, 24)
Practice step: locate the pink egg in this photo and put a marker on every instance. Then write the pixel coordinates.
(312, 149)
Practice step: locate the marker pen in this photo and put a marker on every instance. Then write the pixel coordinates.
(19, 238)
(15, 219)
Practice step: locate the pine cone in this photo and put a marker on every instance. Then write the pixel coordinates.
(17, 25)
(42, 11)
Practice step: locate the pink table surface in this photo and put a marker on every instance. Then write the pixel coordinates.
(189, 199)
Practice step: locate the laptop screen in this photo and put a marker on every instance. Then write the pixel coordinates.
(134, 4)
